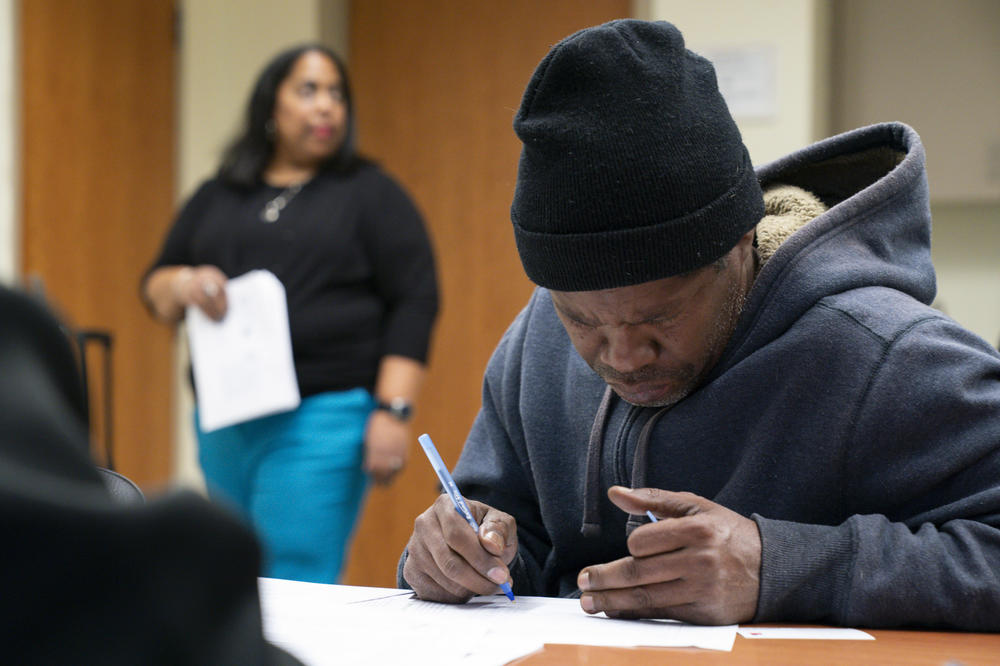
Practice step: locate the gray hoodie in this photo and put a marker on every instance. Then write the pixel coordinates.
(858, 427)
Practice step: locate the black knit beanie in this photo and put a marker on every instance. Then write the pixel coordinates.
(632, 168)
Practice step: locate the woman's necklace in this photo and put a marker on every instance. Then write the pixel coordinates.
(272, 209)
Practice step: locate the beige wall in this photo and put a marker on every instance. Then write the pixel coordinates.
(794, 32)
(224, 45)
(936, 66)
(965, 246)
(933, 65)
(9, 181)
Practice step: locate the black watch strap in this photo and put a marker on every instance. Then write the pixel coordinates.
(399, 408)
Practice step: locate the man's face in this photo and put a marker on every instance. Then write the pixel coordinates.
(653, 343)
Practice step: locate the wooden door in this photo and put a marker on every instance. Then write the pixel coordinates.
(437, 84)
(97, 133)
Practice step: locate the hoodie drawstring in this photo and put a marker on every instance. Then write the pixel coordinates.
(591, 492)
(591, 500)
(639, 466)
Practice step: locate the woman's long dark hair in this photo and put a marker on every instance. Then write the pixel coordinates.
(246, 158)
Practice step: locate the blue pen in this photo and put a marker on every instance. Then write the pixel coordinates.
(652, 517)
(456, 497)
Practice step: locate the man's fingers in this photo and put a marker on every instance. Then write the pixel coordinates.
(423, 575)
(680, 599)
(497, 532)
(654, 600)
(427, 588)
(701, 567)
(432, 568)
(460, 555)
(677, 600)
(632, 571)
(662, 503)
(448, 561)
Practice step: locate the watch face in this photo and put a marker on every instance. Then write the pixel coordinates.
(398, 407)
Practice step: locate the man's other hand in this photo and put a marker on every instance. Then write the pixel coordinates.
(700, 563)
(448, 561)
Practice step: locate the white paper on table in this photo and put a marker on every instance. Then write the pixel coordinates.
(335, 624)
(243, 366)
(806, 633)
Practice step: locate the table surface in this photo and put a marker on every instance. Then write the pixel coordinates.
(888, 648)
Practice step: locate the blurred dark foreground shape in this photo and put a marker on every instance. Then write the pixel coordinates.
(92, 573)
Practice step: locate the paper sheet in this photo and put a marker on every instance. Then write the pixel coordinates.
(806, 633)
(337, 624)
(243, 366)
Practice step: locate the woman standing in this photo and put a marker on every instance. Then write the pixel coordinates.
(292, 197)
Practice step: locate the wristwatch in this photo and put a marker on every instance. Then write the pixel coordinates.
(399, 408)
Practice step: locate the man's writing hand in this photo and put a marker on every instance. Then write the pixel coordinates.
(447, 561)
(700, 563)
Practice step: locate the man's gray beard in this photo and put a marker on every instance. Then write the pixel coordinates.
(719, 335)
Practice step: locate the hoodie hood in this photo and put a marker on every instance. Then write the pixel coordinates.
(846, 213)
(875, 232)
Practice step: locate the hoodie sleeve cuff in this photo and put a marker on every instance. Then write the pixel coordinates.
(400, 582)
(804, 571)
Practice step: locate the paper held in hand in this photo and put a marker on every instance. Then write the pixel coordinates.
(243, 366)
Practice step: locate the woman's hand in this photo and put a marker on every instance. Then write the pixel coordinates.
(203, 286)
(170, 289)
(387, 446)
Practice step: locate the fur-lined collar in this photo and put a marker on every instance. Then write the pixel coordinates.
(787, 209)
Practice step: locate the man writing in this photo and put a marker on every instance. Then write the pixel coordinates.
(749, 357)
